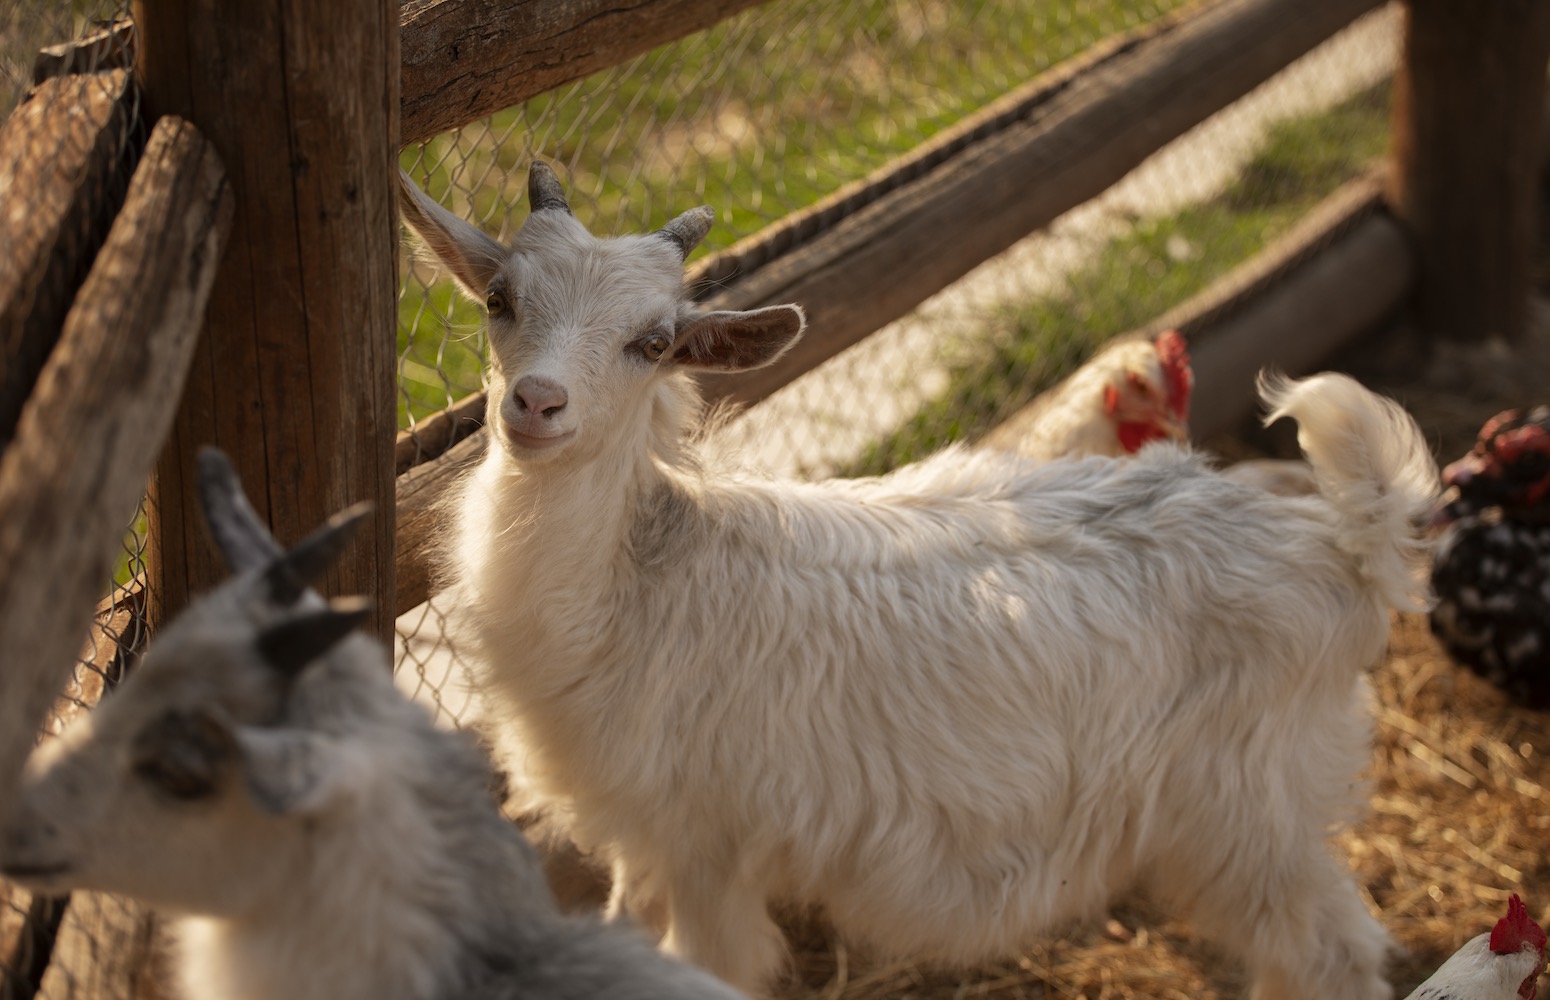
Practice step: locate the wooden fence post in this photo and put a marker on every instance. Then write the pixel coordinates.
(1468, 100)
(295, 373)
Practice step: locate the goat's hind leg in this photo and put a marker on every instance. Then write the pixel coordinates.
(1300, 926)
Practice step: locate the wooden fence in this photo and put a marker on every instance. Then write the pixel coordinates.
(239, 290)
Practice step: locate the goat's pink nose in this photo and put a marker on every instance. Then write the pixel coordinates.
(540, 396)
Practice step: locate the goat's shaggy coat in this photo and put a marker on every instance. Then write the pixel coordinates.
(955, 705)
(260, 775)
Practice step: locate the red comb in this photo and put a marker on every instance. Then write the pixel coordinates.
(1173, 356)
(1516, 929)
(1493, 426)
(1513, 444)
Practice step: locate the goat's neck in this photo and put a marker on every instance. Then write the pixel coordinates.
(565, 522)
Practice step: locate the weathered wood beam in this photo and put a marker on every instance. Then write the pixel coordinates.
(464, 59)
(65, 153)
(879, 263)
(63, 510)
(1468, 99)
(438, 432)
(1346, 268)
(422, 516)
(1349, 289)
(294, 377)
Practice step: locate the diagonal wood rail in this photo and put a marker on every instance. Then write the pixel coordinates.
(64, 153)
(464, 59)
(63, 510)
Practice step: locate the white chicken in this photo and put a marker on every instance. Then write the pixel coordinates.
(1500, 965)
(1132, 393)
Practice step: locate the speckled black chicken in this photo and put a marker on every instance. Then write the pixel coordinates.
(1492, 569)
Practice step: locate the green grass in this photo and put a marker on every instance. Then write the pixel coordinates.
(1141, 275)
(440, 349)
(759, 116)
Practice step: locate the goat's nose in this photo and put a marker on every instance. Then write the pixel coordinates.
(539, 395)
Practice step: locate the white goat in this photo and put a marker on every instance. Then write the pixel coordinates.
(956, 705)
(259, 773)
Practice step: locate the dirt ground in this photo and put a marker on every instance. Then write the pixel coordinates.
(1459, 812)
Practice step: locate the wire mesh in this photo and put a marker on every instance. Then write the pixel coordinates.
(87, 944)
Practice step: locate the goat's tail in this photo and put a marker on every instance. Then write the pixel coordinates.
(1372, 464)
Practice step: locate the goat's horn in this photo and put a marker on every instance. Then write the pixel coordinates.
(238, 531)
(543, 189)
(291, 574)
(688, 229)
(289, 645)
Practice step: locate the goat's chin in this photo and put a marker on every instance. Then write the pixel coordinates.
(530, 450)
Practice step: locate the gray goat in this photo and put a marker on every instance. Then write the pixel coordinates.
(260, 777)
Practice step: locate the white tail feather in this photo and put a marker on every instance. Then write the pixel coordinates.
(1371, 463)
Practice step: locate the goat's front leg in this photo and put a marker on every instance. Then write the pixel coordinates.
(628, 901)
(723, 925)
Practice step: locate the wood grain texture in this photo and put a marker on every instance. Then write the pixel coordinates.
(438, 432)
(63, 511)
(879, 263)
(1469, 98)
(294, 375)
(464, 59)
(1342, 271)
(1349, 289)
(65, 155)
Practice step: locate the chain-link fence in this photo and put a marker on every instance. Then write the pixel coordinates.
(761, 116)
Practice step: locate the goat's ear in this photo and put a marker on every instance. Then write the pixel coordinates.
(238, 531)
(471, 256)
(296, 771)
(292, 643)
(737, 341)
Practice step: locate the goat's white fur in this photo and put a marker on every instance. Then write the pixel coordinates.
(956, 705)
(341, 848)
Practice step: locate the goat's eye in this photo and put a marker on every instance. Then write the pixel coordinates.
(183, 754)
(496, 303)
(175, 778)
(654, 346)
